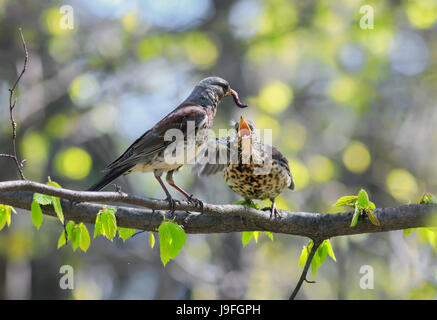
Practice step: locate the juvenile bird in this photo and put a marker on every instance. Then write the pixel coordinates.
(193, 118)
(253, 170)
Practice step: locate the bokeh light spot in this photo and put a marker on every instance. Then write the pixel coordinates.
(296, 135)
(402, 185)
(356, 157)
(130, 21)
(35, 148)
(51, 20)
(149, 48)
(300, 173)
(422, 13)
(343, 89)
(83, 89)
(201, 50)
(321, 168)
(73, 163)
(275, 97)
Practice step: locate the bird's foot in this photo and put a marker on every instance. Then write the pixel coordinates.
(273, 212)
(172, 202)
(196, 202)
(117, 188)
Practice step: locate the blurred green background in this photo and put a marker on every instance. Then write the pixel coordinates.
(351, 108)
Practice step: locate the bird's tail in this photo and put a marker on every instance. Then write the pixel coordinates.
(110, 176)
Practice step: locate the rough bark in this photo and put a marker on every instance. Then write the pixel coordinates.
(146, 213)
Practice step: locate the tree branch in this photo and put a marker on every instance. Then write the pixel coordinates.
(216, 218)
(303, 276)
(12, 103)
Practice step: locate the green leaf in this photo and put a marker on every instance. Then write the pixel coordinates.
(355, 216)
(85, 241)
(254, 205)
(69, 227)
(106, 223)
(42, 199)
(125, 233)
(305, 253)
(36, 214)
(7, 210)
(151, 239)
(3, 217)
(53, 183)
(109, 224)
(363, 199)
(58, 209)
(171, 240)
(408, 231)
(330, 251)
(303, 256)
(246, 236)
(373, 217)
(248, 203)
(256, 235)
(372, 205)
(62, 241)
(428, 198)
(322, 251)
(315, 263)
(76, 234)
(97, 226)
(269, 234)
(346, 201)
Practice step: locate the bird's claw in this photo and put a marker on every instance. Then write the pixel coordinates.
(196, 202)
(172, 203)
(273, 212)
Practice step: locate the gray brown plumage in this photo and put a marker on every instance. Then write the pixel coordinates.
(263, 175)
(146, 154)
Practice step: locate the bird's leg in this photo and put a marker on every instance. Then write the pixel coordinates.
(172, 202)
(247, 202)
(190, 198)
(273, 210)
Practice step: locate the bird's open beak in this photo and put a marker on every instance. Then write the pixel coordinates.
(243, 128)
(234, 95)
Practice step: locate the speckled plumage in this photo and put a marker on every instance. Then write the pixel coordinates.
(263, 175)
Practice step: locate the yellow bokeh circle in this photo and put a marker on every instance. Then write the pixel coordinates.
(275, 97)
(356, 157)
(402, 185)
(73, 163)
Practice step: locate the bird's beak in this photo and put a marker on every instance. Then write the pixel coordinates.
(243, 128)
(234, 95)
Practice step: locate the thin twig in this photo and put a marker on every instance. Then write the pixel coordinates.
(303, 276)
(12, 103)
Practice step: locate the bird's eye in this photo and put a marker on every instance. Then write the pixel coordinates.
(225, 86)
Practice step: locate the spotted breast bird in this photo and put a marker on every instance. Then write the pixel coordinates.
(256, 171)
(193, 117)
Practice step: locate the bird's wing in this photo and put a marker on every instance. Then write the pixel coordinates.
(153, 141)
(278, 156)
(214, 157)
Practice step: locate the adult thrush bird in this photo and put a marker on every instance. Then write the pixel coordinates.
(193, 118)
(256, 171)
